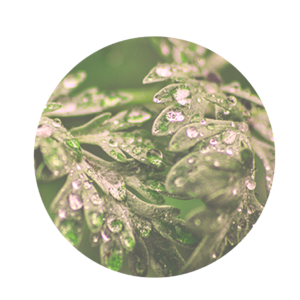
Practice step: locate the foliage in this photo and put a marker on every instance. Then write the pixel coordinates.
(202, 145)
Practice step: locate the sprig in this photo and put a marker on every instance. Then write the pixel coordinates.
(202, 144)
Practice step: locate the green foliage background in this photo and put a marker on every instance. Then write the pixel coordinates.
(123, 66)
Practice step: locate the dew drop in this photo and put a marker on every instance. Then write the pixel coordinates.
(44, 131)
(179, 181)
(114, 225)
(229, 137)
(250, 184)
(191, 160)
(232, 100)
(113, 142)
(210, 126)
(192, 132)
(175, 116)
(217, 163)
(87, 185)
(76, 184)
(163, 72)
(154, 156)
(75, 202)
(137, 150)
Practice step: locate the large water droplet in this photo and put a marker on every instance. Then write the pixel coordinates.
(228, 137)
(154, 156)
(179, 181)
(175, 116)
(137, 150)
(210, 126)
(75, 202)
(113, 142)
(243, 127)
(232, 100)
(114, 225)
(95, 199)
(87, 185)
(76, 184)
(192, 132)
(44, 131)
(250, 184)
(163, 72)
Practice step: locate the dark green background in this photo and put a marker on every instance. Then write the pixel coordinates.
(123, 66)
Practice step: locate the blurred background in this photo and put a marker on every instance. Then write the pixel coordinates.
(122, 66)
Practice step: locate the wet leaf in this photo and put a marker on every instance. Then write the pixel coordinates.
(163, 72)
(235, 90)
(165, 259)
(266, 153)
(139, 259)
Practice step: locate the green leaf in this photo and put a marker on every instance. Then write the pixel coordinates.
(139, 259)
(165, 259)
(111, 255)
(150, 211)
(260, 122)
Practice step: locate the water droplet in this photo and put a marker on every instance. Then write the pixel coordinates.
(179, 181)
(137, 150)
(73, 143)
(137, 115)
(113, 152)
(213, 141)
(243, 127)
(76, 184)
(192, 132)
(234, 191)
(214, 256)
(113, 142)
(175, 116)
(210, 126)
(75, 202)
(154, 156)
(95, 199)
(87, 185)
(228, 137)
(114, 225)
(62, 213)
(229, 151)
(250, 184)
(191, 160)
(217, 163)
(56, 123)
(96, 219)
(197, 222)
(232, 100)
(163, 72)
(44, 131)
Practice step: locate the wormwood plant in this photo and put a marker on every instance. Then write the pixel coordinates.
(202, 145)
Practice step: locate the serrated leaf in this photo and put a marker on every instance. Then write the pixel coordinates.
(90, 101)
(260, 122)
(52, 107)
(70, 82)
(189, 135)
(176, 231)
(205, 175)
(235, 89)
(163, 72)
(90, 126)
(266, 153)
(111, 255)
(138, 185)
(165, 259)
(150, 211)
(139, 259)
(104, 175)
